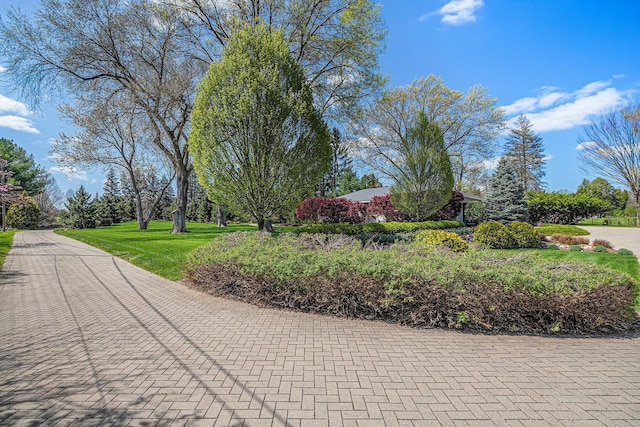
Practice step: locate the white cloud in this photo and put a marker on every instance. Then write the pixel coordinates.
(71, 173)
(457, 12)
(18, 123)
(491, 163)
(8, 105)
(585, 145)
(554, 109)
(2, 69)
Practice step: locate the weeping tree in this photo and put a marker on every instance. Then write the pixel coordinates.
(259, 144)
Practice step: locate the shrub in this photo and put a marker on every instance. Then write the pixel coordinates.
(23, 213)
(553, 247)
(451, 209)
(409, 285)
(575, 248)
(623, 251)
(601, 249)
(475, 212)
(378, 227)
(494, 235)
(562, 208)
(383, 206)
(331, 211)
(602, 242)
(525, 234)
(570, 240)
(440, 238)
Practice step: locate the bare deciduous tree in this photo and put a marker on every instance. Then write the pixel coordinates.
(115, 132)
(610, 146)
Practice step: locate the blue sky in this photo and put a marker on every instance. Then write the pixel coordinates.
(558, 61)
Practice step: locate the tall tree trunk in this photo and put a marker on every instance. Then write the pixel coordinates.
(636, 196)
(180, 213)
(221, 217)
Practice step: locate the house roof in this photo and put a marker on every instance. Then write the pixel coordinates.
(367, 194)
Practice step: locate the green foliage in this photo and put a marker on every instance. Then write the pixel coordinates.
(413, 285)
(494, 235)
(27, 173)
(506, 201)
(378, 227)
(442, 239)
(601, 189)
(623, 251)
(553, 247)
(24, 213)
(81, 212)
(475, 212)
(564, 208)
(424, 181)
(569, 230)
(258, 143)
(575, 248)
(600, 249)
(524, 234)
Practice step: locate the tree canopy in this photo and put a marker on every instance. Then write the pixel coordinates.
(30, 176)
(469, 123)
(259, 145)
(525, 150)
(610, 146)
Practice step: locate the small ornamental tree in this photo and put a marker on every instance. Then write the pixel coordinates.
(331, 211)
(23, 213)
(383, 206)
(506, 201)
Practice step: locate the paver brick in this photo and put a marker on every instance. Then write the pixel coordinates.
(86, 338)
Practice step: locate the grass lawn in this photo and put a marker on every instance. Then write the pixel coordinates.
(625, 263)
(568, 230)
(5, 243)
(610, 222)
(155, 249)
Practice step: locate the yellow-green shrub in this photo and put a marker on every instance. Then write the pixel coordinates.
(439, 238)
(494, 235)
(524, 234)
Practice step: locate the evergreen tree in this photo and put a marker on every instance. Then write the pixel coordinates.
(369, 181)
(30, 176)
(525, 149)
(81, 213)
(111, 186)
(506, 201)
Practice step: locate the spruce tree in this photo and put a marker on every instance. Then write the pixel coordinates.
(525, 149)
(506, 201)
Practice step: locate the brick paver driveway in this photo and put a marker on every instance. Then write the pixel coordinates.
(86, 338)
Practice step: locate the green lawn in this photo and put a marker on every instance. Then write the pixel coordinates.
(5, 244)
(611, 222)
(155, 249)
(568, 230)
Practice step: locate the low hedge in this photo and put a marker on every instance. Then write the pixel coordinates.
(378, 227)
(413, 285)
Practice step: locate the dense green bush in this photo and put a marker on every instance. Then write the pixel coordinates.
(623, 251)
(442, 239)
(494, 235)
(524, 234)
(23, 213)
(475, 212)
(378, 227)
(414, 285)
(575, 248)
(553, 246)
(563, 208)
(600, 249)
